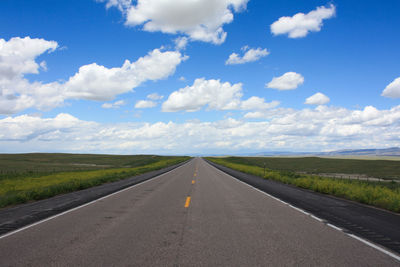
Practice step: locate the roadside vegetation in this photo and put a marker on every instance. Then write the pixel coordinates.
(28, 177)
(383, 169)
(39, 164)
(380, 194)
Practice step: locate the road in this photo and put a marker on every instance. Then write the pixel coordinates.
(376, 225)
(194, 215)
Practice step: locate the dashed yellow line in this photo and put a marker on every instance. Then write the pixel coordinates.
(193, 181)
(187, 203)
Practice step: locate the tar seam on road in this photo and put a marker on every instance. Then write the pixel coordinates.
(187, 203)
(377, 247)
(84, 205)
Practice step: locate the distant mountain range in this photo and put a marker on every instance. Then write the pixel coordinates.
(393, 151)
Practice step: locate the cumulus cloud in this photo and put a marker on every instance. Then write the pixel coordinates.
(254, 115)
(321, 128)
(255, 102)
(145, 104)
(200, 20)
(301, 24)
(149, 103)
(288, 81)
(94, 82)
(393, 89)
(250, 55)
(215, 95)
(17, 56)
(116, 104)
(24, 128)
(317, 99)
(212, 93)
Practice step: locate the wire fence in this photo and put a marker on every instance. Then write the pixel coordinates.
(359, 177)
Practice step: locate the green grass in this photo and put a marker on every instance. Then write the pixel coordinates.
(386, 169)
(39, 164)
(23, 186)
(382, 195)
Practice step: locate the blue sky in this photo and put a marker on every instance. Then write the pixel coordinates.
(317, 76)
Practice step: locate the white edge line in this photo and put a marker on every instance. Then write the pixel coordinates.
(300, 210)
(375, 247)
(271, 196)
(334, 227)
(319, 219)
(86, 204)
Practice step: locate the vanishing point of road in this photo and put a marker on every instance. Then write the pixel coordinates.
(194, 215)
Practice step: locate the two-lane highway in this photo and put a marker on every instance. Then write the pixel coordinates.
(194, 215)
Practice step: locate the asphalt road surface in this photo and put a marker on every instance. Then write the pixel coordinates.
(194, 215)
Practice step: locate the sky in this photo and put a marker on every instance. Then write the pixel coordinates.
(198, 76)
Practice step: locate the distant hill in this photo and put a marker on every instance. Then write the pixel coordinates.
(393, 151)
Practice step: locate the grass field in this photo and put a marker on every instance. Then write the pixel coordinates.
(383, 195)
(27, 177)
(38, 164)
(385, 169)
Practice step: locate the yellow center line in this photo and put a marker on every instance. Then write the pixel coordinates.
(193, 181)
(187, 203)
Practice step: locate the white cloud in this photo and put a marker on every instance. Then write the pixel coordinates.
(254, 115)
(43, 65)
(317, 99)
(200, 20)
(122, 5)
(256, 103)
(25, 127)
(212, 93)
(321, 128)
(288, 81)
(107, 105)
(274, 112)
(116, 104)
(94, 82)
(181, 43)
(18, 56)
(155, 96)
(249, 56)
(18, 95)
(145, 104)
(393, 89)
(149, 103)
(301, 24)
